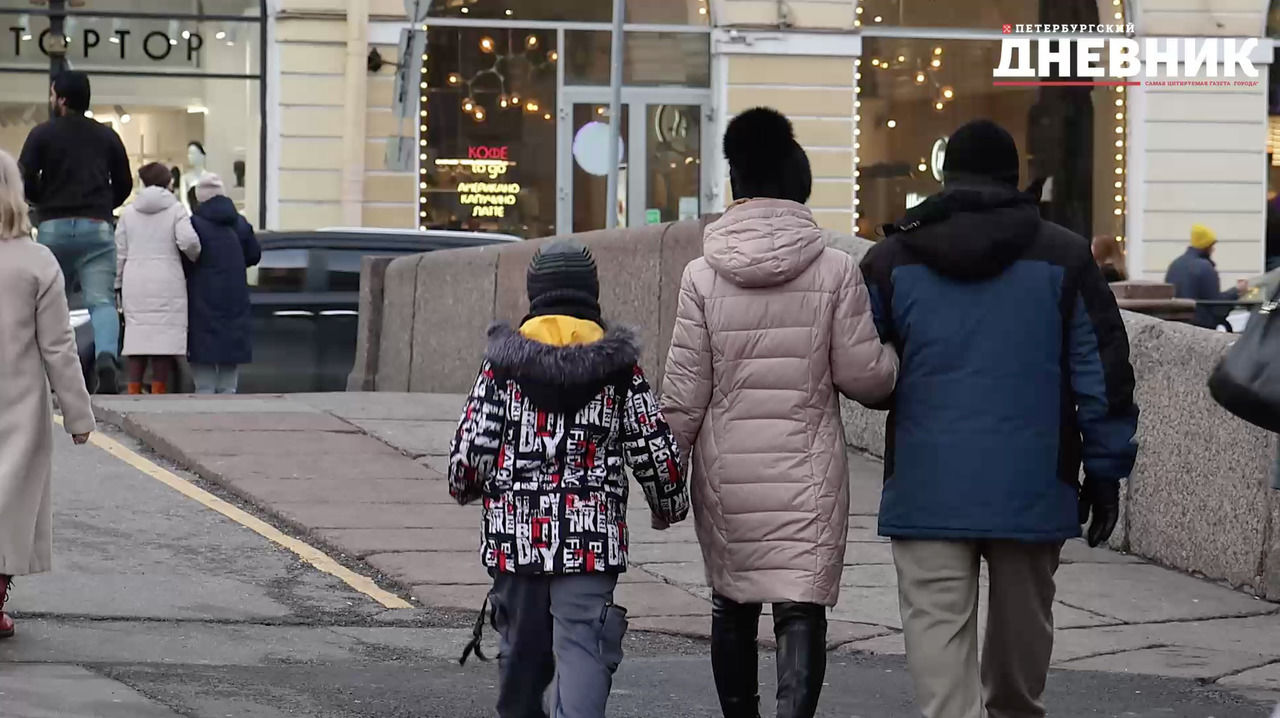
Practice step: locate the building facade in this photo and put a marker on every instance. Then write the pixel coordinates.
(502, 120)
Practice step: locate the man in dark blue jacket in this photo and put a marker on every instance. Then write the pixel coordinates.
(1015, 370)
(1195, 276)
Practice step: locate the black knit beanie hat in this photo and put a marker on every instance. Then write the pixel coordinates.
(764, 158)
(562, 279)
(984, 149)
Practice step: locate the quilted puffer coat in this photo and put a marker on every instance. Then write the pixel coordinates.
(771, 323)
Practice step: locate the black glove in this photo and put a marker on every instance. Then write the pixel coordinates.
(1102, 499)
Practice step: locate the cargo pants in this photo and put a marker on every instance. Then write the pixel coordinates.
(561, 633)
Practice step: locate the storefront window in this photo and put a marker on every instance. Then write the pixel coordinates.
(183, 90)
(987, 15)
(649, 58)
(913, 93)
(656, 12)
(490, 157)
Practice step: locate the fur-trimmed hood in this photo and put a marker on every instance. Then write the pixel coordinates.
(562, 378)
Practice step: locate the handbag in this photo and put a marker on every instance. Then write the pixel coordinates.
(1246, 381)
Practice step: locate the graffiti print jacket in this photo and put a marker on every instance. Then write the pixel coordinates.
(543, 441)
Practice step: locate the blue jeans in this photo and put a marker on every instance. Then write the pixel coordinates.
(86, 251)
(215, 378)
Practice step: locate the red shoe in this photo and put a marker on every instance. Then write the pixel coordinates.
(6, 623)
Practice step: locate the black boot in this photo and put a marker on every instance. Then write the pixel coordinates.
(734, 656)
(108, 370)
(801, 629)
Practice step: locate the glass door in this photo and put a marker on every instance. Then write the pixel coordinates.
(589, 147)
(660, 176)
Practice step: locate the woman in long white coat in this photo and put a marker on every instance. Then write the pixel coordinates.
(151, 237)
(37, 350)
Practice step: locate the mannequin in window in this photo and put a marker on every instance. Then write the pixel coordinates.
(196, 169)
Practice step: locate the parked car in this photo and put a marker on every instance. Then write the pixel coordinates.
(305, 297)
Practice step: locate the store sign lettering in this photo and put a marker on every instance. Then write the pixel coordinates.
(488, 199)
(485, 152)
(156, 45)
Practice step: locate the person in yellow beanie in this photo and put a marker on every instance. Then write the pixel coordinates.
(1195, 276)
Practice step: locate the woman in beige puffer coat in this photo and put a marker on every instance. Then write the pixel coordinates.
(772, 325)
(152, 236)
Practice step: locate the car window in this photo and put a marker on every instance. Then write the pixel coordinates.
(281, 270)
(343, 270)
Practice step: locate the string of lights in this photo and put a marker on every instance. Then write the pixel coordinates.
(506, 100)
(424, 217)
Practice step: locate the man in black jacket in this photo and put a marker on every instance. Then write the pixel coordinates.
(76, 173)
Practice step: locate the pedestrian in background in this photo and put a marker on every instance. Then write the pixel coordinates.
(152, 237)
(787, 322)
(1015, 367)
(1109, 257)
(37, 351)
(1195, 276)
(560, 407)
(76, 173)
(218, 333)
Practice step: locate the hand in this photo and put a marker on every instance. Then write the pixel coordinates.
(1102, 499)
(80, 439)
(658, 523)
(1242, 287)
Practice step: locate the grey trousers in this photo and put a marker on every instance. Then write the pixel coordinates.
(562, 632)
(938, 592)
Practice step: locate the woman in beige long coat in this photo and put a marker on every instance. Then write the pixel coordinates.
(152, 236)
(771, 325)
(36, 342)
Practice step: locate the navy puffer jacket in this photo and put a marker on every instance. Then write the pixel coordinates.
(1015, 370)
(218, 329)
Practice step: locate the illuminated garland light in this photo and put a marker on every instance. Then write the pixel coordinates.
(1120, 130)
(424, 216)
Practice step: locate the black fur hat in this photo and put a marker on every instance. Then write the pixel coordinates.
(764, 158)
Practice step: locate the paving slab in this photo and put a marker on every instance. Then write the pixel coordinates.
(343, 491)
(244, 421)
(362, 542)
(660, 599)
(186, 404)
(413, 437)
(384, 405)
(1204, 664)
(62, 691)
(378, 516)
(860, 553)
(839, 633)
(875, 606)
(687, 552)
(870, 576)
(1265, 677)
(890, 644)
(254, 444)
(468, 597)
(388, 465)
(684, 574)
(1255, 634)
(432, 567)
(1143, 593)
(1078, 551)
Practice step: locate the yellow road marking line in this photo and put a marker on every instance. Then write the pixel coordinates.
(306, 552)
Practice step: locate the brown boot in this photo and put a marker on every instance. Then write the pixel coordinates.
(135, 387)
(159, 387)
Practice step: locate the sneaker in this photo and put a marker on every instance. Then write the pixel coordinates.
(6, 623)
(108, 370)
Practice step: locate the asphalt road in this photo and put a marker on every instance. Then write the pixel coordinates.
(160, 607)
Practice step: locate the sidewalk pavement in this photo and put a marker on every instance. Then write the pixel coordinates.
(363, 474)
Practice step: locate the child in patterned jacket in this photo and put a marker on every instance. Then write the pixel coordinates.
(559, 408)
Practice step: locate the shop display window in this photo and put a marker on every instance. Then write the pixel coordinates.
(489, 161)
(184, 89)
(653, 12)
(912, 93)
